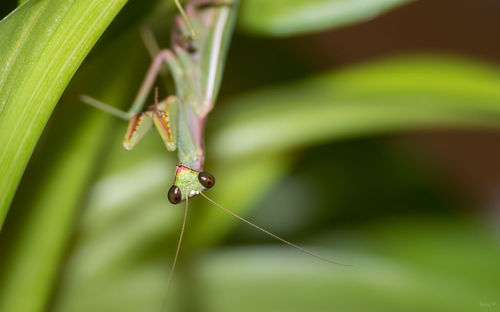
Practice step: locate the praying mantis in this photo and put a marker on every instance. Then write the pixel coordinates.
(200, 40)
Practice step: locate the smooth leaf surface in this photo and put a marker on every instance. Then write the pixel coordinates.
(293, 17)
(408, 265)
(44, 223)
(381, 97)
(43, 43)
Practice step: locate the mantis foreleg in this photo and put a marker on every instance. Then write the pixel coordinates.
(166, 56)
(162, 114)
(137, 106)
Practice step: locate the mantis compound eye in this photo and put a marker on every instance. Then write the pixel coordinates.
(206, 179)
(174, 194)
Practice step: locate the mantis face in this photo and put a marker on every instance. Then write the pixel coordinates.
(188, 183)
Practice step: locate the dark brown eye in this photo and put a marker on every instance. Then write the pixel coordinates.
(174, 194)
(206, 179)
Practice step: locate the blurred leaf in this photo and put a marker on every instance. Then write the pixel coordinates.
(46, 204)
(405, 94)
(292, 17)
(43, 43)
(143, 228)
(426, 265)
(128, 234)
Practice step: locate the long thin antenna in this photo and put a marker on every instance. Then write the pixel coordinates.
(171, 275)
(271, 234)
(186, 19)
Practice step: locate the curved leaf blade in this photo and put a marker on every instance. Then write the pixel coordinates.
(399, 267)
(293, 17)
(44, 42)
(36, 234)
(411, 93)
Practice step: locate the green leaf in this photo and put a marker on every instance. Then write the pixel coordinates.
(400, 265)
(46, 204)
(404, 94)
(43, 43)
(292, 17)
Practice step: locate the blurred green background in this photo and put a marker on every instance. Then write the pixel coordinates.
(366, 131)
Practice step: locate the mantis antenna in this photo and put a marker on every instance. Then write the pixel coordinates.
(171, 274)
(192, 34)
(271, 234)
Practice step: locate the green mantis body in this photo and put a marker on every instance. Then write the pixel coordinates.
(196, 66)
(200, 40)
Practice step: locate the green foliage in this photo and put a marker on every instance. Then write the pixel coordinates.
(46, 219)
(95, 218)
(292, 17)
(393, 95)
(43, 43)
(410, 266)
(127, 206)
